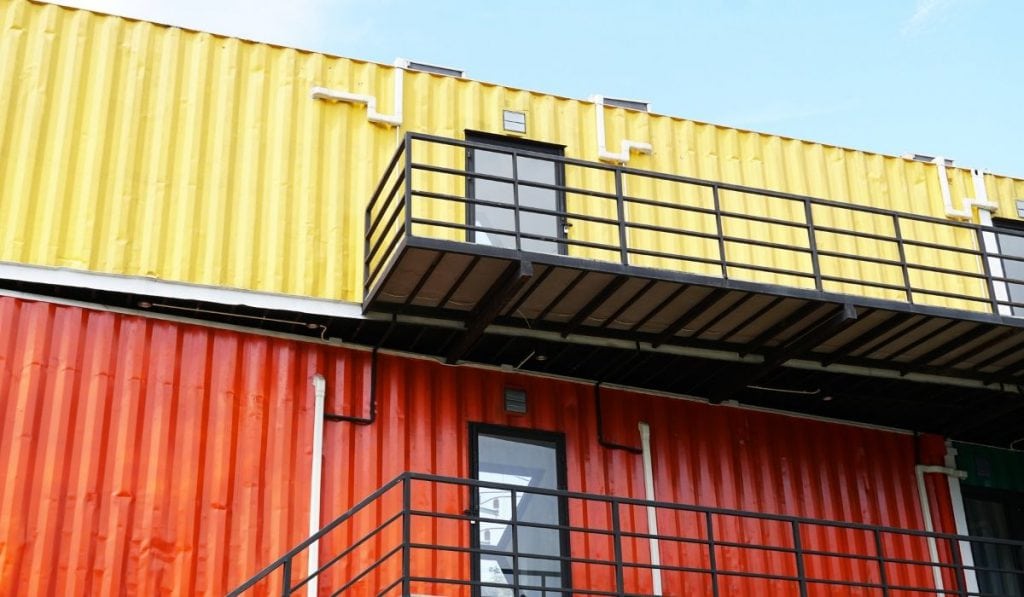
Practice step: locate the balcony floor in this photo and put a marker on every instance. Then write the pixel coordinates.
(869, 360)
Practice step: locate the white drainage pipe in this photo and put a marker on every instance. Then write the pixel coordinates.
(652, 515)
(323, 93)
(602, 148)
(980, 200)
(960, 519)
(926, 510)
(316, 477)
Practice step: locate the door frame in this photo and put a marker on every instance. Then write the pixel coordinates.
(506, 142)
(525, 435)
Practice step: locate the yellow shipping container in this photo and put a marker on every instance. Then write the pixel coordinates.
(137, 149)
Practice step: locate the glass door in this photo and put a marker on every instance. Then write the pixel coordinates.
(516, 557)
(999, 515)
(496, 224)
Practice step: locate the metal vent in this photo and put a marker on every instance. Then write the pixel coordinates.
(513, 121)
(515, 401)
(431, 68)
(928, 159)
(627, 104)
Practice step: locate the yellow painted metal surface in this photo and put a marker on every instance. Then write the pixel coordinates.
(139, 149)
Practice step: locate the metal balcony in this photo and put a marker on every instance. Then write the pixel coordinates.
(754, 279)
(413, 536)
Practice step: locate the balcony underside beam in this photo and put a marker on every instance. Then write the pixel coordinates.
(511, 281)
(827, 328)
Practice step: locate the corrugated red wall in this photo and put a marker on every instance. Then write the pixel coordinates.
(148, 457)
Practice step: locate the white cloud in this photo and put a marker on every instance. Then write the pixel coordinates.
(925, 13)
(297, 23)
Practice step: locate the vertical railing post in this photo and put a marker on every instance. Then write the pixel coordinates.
(406, 536)
(620, 206)
(712, 559)
(958, 567)
(407, 196)
(987, 269)
(903, 258)
(812, 243)
(286, 578)
(798, 551)
(515, 202)
(515, 544)
(720, 228)
(366, 247)
(883, 577)
(620, 576)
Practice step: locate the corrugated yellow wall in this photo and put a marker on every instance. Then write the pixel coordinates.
(121, 140)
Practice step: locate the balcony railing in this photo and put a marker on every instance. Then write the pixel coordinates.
(412, 536)
(645, 219)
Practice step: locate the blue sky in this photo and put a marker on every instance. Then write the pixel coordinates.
(938, 77)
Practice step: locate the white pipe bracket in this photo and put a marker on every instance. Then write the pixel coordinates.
(966, 211)
(370, 101)
(626, 147)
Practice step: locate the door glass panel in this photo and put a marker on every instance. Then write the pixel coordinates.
(499, 220)
(530, 465)
(989, 516)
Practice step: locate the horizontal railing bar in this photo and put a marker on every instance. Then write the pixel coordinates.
(475, 201)
(767, 269)
(616, 502)
(863, 282)
(624, 501)
(765, 244)
(506, 232)
(857, 234)
(705, 183)
(490, 585)
(522, 182)
(764, 219)
(521, 553)
(675, 256)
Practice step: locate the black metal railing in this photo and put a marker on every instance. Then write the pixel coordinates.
(653, 219)
(413, 536)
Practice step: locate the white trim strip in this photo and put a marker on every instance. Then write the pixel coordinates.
(652, 515)
(178, 290)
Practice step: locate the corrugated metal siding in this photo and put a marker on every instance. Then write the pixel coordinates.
(147, 457)
(119, 138)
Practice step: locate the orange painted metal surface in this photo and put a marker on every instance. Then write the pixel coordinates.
(149, 457)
